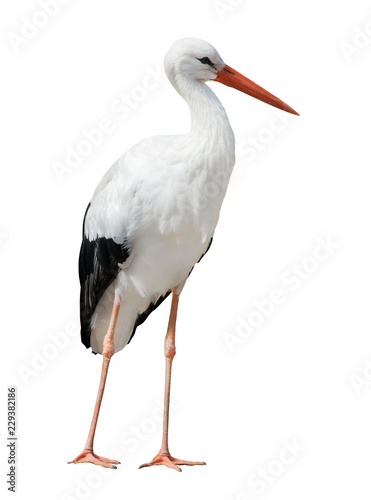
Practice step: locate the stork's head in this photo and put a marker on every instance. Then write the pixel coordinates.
(194, 59)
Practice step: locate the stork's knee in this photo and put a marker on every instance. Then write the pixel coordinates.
(108, 347)
(169, 348)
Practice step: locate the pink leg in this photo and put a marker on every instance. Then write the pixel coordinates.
(87, 455)
(163, 457)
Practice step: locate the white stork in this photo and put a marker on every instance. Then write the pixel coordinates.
(150, 220)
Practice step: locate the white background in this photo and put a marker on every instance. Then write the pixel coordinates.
(295, 378)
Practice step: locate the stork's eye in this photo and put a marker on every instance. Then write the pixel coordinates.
(206, 60)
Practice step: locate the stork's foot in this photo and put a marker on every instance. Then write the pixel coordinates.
(88, 456)
(171, 462)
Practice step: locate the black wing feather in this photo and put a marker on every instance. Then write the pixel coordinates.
(98, 267)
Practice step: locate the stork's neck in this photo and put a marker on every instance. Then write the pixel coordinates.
(206, 109)
(210, 127)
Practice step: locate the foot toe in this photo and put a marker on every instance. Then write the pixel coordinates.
(169, 461)
(88, 456)
(187, 462)
(110, 460)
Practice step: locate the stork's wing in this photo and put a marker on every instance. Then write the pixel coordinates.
(98, 267)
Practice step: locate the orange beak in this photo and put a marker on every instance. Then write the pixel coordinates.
(233, 78)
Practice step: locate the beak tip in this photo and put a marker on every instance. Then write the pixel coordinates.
(288, 109)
